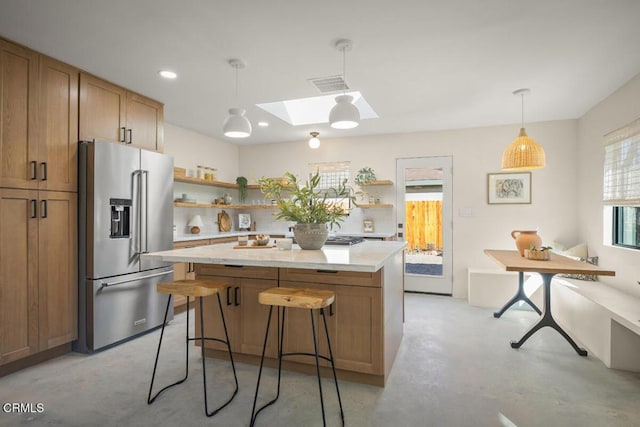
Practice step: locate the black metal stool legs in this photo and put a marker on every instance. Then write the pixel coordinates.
(155, 365)
(264, 349)
(333, 365)
(204, 372)
(254, 413)
(202, 340)
(315, 348)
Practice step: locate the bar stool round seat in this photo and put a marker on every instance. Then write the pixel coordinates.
(194, 289)
(310, 299)
(191, 288)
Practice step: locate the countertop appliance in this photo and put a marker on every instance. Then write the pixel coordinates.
(344, 240)
(125, 209)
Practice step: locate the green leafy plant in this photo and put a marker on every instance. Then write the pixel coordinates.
(306, 203)
(542, 248)
(242, 187)
(365, 176)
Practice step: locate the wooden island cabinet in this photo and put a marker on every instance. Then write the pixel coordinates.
(365, 321)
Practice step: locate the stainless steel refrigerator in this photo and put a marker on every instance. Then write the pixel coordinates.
(125, 210)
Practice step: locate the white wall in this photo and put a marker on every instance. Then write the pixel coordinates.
(475, 152)
(189, 149)
(618, 109)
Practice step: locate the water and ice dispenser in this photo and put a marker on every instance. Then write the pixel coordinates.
(120, 218)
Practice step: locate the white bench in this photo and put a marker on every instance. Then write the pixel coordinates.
(603, 319)
(493, 288)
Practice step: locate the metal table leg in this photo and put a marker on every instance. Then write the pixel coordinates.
(547, 319)
(519, 296)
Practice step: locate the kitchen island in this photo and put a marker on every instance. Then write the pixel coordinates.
(365, 321)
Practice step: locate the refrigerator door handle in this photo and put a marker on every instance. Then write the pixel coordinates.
(107, 284)
(135, 194)
(145, 174)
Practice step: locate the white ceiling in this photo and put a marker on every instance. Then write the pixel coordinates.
(422, 65)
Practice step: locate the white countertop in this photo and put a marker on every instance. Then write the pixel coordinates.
(201, 236)
(368, 256)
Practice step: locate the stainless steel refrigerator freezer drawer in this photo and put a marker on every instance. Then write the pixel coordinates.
(122, 307)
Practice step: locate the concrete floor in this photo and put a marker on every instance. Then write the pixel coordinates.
(454, 368)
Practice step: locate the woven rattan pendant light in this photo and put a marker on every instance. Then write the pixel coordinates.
(523, 153)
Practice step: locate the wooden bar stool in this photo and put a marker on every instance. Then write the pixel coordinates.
(296, 298)
(195, 289)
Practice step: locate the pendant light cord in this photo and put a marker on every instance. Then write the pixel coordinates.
(236, 67)
(522, 109)
(344, 70)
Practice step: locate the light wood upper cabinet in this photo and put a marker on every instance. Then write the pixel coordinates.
(58, 136)
(18, 274)
(144, 122)
(57, 269)
(102, 109)
(18, 116)
(112, 113)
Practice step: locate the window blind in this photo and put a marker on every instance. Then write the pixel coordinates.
(622, 166)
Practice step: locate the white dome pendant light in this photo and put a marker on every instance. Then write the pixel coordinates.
(523, 153)
(237, 125)
(344, 115)
(314, 142)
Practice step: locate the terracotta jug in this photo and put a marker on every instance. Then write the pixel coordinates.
(525, 239)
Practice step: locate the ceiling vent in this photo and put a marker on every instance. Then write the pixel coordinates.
(329, 84)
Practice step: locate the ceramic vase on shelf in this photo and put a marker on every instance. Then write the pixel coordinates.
(526, 239)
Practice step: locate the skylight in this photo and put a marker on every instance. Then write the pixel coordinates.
(307, 111)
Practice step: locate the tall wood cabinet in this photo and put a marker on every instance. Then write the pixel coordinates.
(38, 202)
(38, 273)
(18, 114)
(112, 113)
(39, 121)
(58, 128)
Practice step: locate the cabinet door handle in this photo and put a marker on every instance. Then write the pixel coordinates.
(43, 209)
(228, 295)
(44, 170)
(124, 134)
(236, 296)
(34, 169)
(233, 266)
(130, 135)
(34, 208)
(327, 271)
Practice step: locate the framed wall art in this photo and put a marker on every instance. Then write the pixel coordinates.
(509, 188)
(367, 225)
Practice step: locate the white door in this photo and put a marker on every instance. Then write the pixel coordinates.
(424, 221)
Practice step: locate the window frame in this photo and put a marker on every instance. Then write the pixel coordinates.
(617, 229)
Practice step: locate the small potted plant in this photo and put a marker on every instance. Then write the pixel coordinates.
(242, 187)
(365, 176)
(541, 254)
(311, 208)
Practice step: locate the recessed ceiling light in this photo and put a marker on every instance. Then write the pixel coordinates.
(263, 124)
(167, 74)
